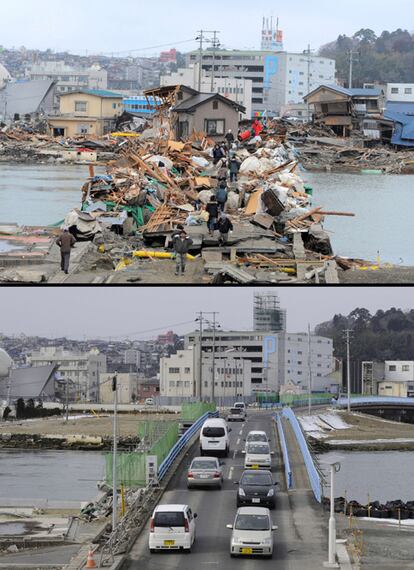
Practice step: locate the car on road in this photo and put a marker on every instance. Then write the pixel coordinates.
(256, 487)
(214, 437)
(150, 402)
(240, 405)
(172, 527)
(256, 437)
(205, 472)
(236, 415)
(257, 455)
(252, 533)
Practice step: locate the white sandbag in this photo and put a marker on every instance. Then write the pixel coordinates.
(200, 161)
(156, 159)
(251, 165)
(204, 196)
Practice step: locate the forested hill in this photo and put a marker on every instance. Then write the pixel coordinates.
(388, 58)
(387, 335)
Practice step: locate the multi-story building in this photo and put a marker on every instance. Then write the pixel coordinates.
(267, 314)
(276, 358)
(400, 92)
(278, 78)
(239, 90)
(180, 375)
(127, 388)
(398, 379)
(68, 78)
(83, 369)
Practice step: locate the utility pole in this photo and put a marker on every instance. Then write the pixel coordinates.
(309, 52)
(216, 44)
(348, 368)
(201, 38)
(200, 370)
(200, 70)
(115, 442)
(236, 365)
(351, 67)
(214, 356)
(310, 369)
(67, 399)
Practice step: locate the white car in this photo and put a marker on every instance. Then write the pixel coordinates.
(150, 402)
(256, 437)
(172, 527)
(240, 405)
(258, 456)
(214, 437)
(236, 415)
(252, 533)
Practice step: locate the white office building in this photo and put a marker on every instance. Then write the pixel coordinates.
(278, 78)
(83, 369)
(180, 376)
(400, 92)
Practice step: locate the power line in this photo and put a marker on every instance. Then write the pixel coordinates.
(147, 48)
(143, 331)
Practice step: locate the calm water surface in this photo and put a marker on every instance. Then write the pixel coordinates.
(384, 219)
(51, 475)
(385, 476)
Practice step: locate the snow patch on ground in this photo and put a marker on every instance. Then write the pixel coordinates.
(388, 522)
(319, 426)
(364, 441)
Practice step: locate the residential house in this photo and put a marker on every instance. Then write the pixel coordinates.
(211, 113)
(399, 379)
(148, 389)
(86, 112)
(21, 99)
(345, 110)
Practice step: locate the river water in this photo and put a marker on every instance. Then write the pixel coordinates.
(384, 215)
(43, 195)
(39, 195)
(384, 476)
(68, 476)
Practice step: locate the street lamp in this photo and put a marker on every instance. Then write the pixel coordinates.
(332, 563)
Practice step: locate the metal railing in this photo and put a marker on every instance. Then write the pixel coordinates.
(181, 443)
(313, 473)
(286, 461)
(380, 400)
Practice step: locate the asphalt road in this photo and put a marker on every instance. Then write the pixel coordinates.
(300, 541)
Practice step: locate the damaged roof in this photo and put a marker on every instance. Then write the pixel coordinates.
(28, 97)
(349, 92)
(34, 382)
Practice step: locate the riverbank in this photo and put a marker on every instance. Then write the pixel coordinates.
(339, 430)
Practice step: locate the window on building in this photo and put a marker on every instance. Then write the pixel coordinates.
(392, 368)
(216, 104)
(172, 384)
(301, 73)
(299, 340)
(319, 365)
(215, 127)
(187, 370)
(300, 352)
(174, 370)
(408, 91)
(405, 368)
(299, 373)
(299, 362)
(81, 106)
(395, 90)
(319, 375)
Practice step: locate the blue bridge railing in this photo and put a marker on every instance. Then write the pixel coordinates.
(313, 474)
(181, 443)
(286, 460)
(380, 400)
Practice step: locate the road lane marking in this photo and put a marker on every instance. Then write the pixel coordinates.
(241, 431)
(231, 473)
(234, 454)
(238, 442)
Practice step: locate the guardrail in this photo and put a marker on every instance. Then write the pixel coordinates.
(314, 476)
(300, 403)
(288, 469)
(380, 400)
(181, 443)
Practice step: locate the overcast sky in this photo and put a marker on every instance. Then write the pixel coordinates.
(119, 312)
(108, 26)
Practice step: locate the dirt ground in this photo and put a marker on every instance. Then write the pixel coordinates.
(91, 426)
(365, 427)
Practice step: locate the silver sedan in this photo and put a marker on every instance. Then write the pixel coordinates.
(205, 472)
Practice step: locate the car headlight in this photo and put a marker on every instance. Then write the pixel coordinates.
(271, 493)
(241, 492)
(267, 541)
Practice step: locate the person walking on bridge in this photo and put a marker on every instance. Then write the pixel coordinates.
(66, 242)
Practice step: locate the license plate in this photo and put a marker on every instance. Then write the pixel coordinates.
(169, 542)
(204, 476)
(247, 551)
(255, 467)
(255, 500)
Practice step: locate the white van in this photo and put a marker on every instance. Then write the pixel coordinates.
(172, 527)
(214, 437)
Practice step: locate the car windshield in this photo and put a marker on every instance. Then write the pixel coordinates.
(256, 479)
(169, 519)
(204, 464)
(252, 522)
(210, 431)
(258, 449)
(257, 437)
(235, 410)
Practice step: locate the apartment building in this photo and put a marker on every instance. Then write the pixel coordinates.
(398, 379)
(278, 78)
(68, 78)
(83, 369)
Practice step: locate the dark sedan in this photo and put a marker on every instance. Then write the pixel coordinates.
(256, 488)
